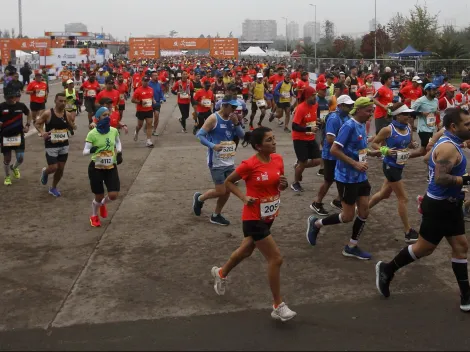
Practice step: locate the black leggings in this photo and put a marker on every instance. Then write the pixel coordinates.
(184, 109)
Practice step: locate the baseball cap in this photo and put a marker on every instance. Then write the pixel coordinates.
(450, 88)
(321, 86)
(401, 110)
(345, 99)
(259, 75)
(361, 102)
(309, 91)
(100, 69)
(69, 81)
(430, 86)
(417, 79)
(464, 86)
(230, 101)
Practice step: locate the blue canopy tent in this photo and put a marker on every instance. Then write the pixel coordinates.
(408, 52)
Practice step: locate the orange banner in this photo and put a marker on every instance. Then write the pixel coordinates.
(224, 48)
(184, 44)
(26, 44)
(144, 48)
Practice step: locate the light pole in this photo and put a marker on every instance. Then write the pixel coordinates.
(375, 33)
(286, 31)
(315, 33)
(20, 19)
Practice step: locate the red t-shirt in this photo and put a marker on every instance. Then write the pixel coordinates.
(246, 84)
(202, 96)
(127, 76)
(443, 103)
(274, 81)
(122, 88)
(114, 119)
(205, 78)
(90, 90)
(39, 90)
(163, 77)
(136, 79)
(462, 99)
(411, 94)
(305, 115)
(262, 182)
(145, 95)
(295, 76)
(184, 92)
(385, 96)
(113, 94)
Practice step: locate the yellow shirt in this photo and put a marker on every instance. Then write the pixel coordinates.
(285, 92)
(258, 91)
(227, 79)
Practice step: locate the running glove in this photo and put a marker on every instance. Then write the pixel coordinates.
(119, 158)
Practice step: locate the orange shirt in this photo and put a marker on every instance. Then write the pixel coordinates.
(122, 88)
(205, 99)
(113, 94)
(145, 95)
(305, 115)
(385, 96)
(39, 90)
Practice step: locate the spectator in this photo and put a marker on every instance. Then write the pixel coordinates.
(26, 73)
(10, 68)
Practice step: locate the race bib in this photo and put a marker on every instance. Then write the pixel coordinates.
(464, 107)
(184, 95)
(353, 89)
(285, 95)
(219, 97)
(245, 85)
(59, 136)
(91, 93)
(104, 160)
(261, 103)
(239, 96)
(146, 103)
(228, 150)
(402, 157)
(102, 86)
(395, 92)
(269, 208)
(12, 141)
(178, 74)
(323, 114)
(362, 155)
(312, 124)
(207, 103)
(41, 93)
(121, 96)
(431, 120)
(271, 87)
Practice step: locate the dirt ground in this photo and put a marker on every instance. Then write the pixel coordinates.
(142, 280)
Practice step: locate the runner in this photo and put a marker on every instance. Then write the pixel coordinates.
(333, 124)
(304, 127)
(144, 100)
(284, 94)
(37, 89)
(123, 89)
(90, 89)
(78, 80)
(412, 92)
(350, 149)
(184, 89)
(273, 81)
(159, 98)
(462, 99)
(71, 97)
(442, 209)
(247, 80)
(12, 133)
(56, 139)
(394, 142)
(447, 101)
(104, 145)
(263, 174)
(383, 98)
(217, 135)
(204, 99)
(352, 82)
(219, 88)
(257, 90)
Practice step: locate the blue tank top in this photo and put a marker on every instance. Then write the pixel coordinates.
(440, 192)
(223, 133)
(399, 142)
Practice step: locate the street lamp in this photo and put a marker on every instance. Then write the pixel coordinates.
(375, 33)
(286, 31)
(315, 32)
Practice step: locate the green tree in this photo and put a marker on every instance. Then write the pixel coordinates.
(308, 50)
(173, 33)
(329, 31)
(448, 45)
(396, 30)
(421, 28)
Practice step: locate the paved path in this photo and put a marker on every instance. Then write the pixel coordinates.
(142, 280)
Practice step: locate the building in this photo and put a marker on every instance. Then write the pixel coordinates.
(259, 29)
(293, 31)
(76, 27)
(309, 31)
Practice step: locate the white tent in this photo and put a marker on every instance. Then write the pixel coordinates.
(253, 51)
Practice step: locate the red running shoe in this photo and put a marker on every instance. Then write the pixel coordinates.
(104, 211)
(95, 221)
(419, 199)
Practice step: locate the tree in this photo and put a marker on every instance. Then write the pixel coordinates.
(230, 35)
(368, 43)
(209, 36)
(329, 31)
(6, 33)
(421, 28)
(201, 36)
(345, 47)
(396, 30)
(308, 50)
(173, 33)
(448, 45)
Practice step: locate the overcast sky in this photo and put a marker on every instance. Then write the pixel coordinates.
(191, 18)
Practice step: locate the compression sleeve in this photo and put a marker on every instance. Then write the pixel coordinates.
(87, 149)
(118, 144)
(239, 131)
(202, 136)
(297, 128)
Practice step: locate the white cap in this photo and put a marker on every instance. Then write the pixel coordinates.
(100, 70)
(417, 79)
(69, 81)
(401, 110)
(345, 99)
(259, 75)
(388, 69)
(342, 73)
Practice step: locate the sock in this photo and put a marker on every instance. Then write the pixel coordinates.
(17, 164)
(459, 266)
(357, 228)
(94, 207)
(329, 220)
(6, 167)
(105, 200)
(199, 198)
(220, 274)
(214, 214)
(403, 258)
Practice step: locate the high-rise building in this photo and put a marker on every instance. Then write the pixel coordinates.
(293, 31)
(76, 27)
(259, 30)
(309, 31)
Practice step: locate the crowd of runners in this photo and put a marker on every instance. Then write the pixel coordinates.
(229, 102)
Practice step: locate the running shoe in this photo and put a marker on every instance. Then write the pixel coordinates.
(411, 236)
(136, 136)
(271, 117)
(320, 172)
(149, 144)
(356, 252)
(219, 220)
(44, 176)
(312, 230)
(465, 304)
(296, 187)
(103, 211)
(318, 208)
(335, 203)
(184, 130)
(95, 221)
(283, 313)
(219, 283)
(167, 96)
(280, 123)
(16, 172)
(154, 133)
(54, 191)
(197, 204)
(7, 181)
(195, 130)
(419, 199)
(382, 280)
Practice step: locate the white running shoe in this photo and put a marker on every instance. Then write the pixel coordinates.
(136, 136)
(219, 283)
(283, 313)
(149, 143)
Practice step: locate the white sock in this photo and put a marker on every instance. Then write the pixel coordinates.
(105, 200)
(6, 167)
(319, 223)
(199, 198)
(94, 207)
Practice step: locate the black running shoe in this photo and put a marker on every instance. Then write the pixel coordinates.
(337, 204)
(296, 187)
(465, 304)
(320, 172)
(219, 220)
(197, 204)
(411, 236)
(318, 208)
(382, 280)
